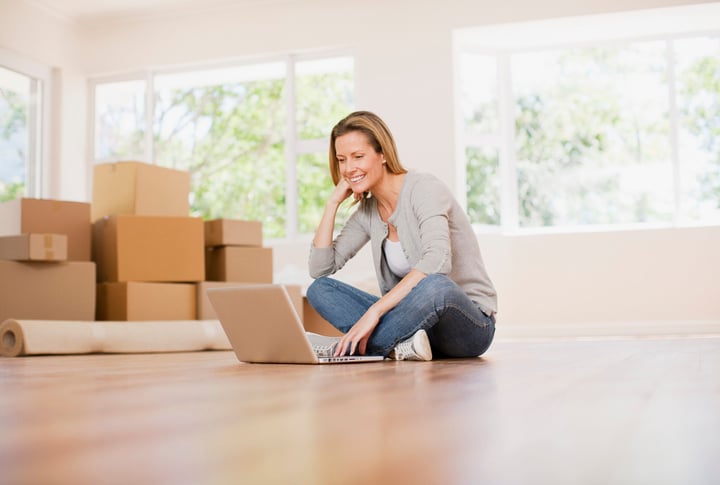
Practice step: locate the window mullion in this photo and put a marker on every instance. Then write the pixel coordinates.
(509, 217)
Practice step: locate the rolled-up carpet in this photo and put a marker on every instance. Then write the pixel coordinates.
(52, 337)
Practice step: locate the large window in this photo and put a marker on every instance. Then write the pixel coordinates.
(21, 133)
(588, 130)
(253, 137)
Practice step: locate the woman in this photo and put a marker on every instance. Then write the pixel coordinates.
(437, 298)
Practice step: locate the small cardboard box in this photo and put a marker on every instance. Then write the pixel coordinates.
(34, 247)
(47, 291)
(232, 232)
(132, 301)
(149, 248)
(41, 216)
(313, 322)
(239, 264)
(137, 188)
(207, 312)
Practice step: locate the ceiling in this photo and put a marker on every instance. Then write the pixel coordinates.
(87, 10)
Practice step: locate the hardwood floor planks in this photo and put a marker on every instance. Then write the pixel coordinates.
(642, 410)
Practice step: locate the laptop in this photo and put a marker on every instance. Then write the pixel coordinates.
(263, 326)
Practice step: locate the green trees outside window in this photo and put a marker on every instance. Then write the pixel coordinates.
(15, 102)
(596, 134)
(254, 138)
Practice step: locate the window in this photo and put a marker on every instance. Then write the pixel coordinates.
(228, 128)
(698, 100)
(253, 136)
(324, 95)
(119, 120)
(21, 128)
(478, 76)
(570, 128)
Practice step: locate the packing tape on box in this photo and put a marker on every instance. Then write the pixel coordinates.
(48, 245)
(53, 337)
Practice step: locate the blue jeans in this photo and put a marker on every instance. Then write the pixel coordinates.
(455, 325)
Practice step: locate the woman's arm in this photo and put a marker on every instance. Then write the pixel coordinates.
(328, 255)
(324, 232)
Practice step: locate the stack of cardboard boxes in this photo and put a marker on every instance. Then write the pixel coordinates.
(235, 255)
(45, 267)
(154, 259)
(148, 250)
(133, 254)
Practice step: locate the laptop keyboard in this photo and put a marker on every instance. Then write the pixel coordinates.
(322, 345)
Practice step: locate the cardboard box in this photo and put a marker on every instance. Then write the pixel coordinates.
(41, 216)
(295, 292)
(313, 322)
(132, 301)
(149, 248)
(207, 312)
(47, 291)
(137, 188)
(34, 247)
(232, 232)
(239, 264)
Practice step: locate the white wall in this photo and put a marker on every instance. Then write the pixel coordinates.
(652, 275)
(403, 72)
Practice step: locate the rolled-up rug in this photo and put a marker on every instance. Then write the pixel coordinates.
(54, 337)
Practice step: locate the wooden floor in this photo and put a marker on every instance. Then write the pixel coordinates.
(604, 411)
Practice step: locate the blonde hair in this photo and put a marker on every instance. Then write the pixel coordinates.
(378, 135)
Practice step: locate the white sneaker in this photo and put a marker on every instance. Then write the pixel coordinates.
(416, 347)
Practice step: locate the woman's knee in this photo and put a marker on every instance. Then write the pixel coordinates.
(316, 288)
(438, 286)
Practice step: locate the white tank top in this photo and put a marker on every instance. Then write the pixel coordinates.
(395, 258)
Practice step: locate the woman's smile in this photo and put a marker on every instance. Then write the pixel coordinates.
(355, 178)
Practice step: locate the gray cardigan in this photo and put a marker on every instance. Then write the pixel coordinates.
(434, 232)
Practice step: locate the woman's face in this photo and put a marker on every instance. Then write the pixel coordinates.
(358, 161)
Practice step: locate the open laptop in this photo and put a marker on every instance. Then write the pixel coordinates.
(263, 325)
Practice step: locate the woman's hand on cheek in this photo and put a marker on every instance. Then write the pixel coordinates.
(341, 192)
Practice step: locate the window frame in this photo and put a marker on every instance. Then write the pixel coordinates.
(38, 180)
(509, 204)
